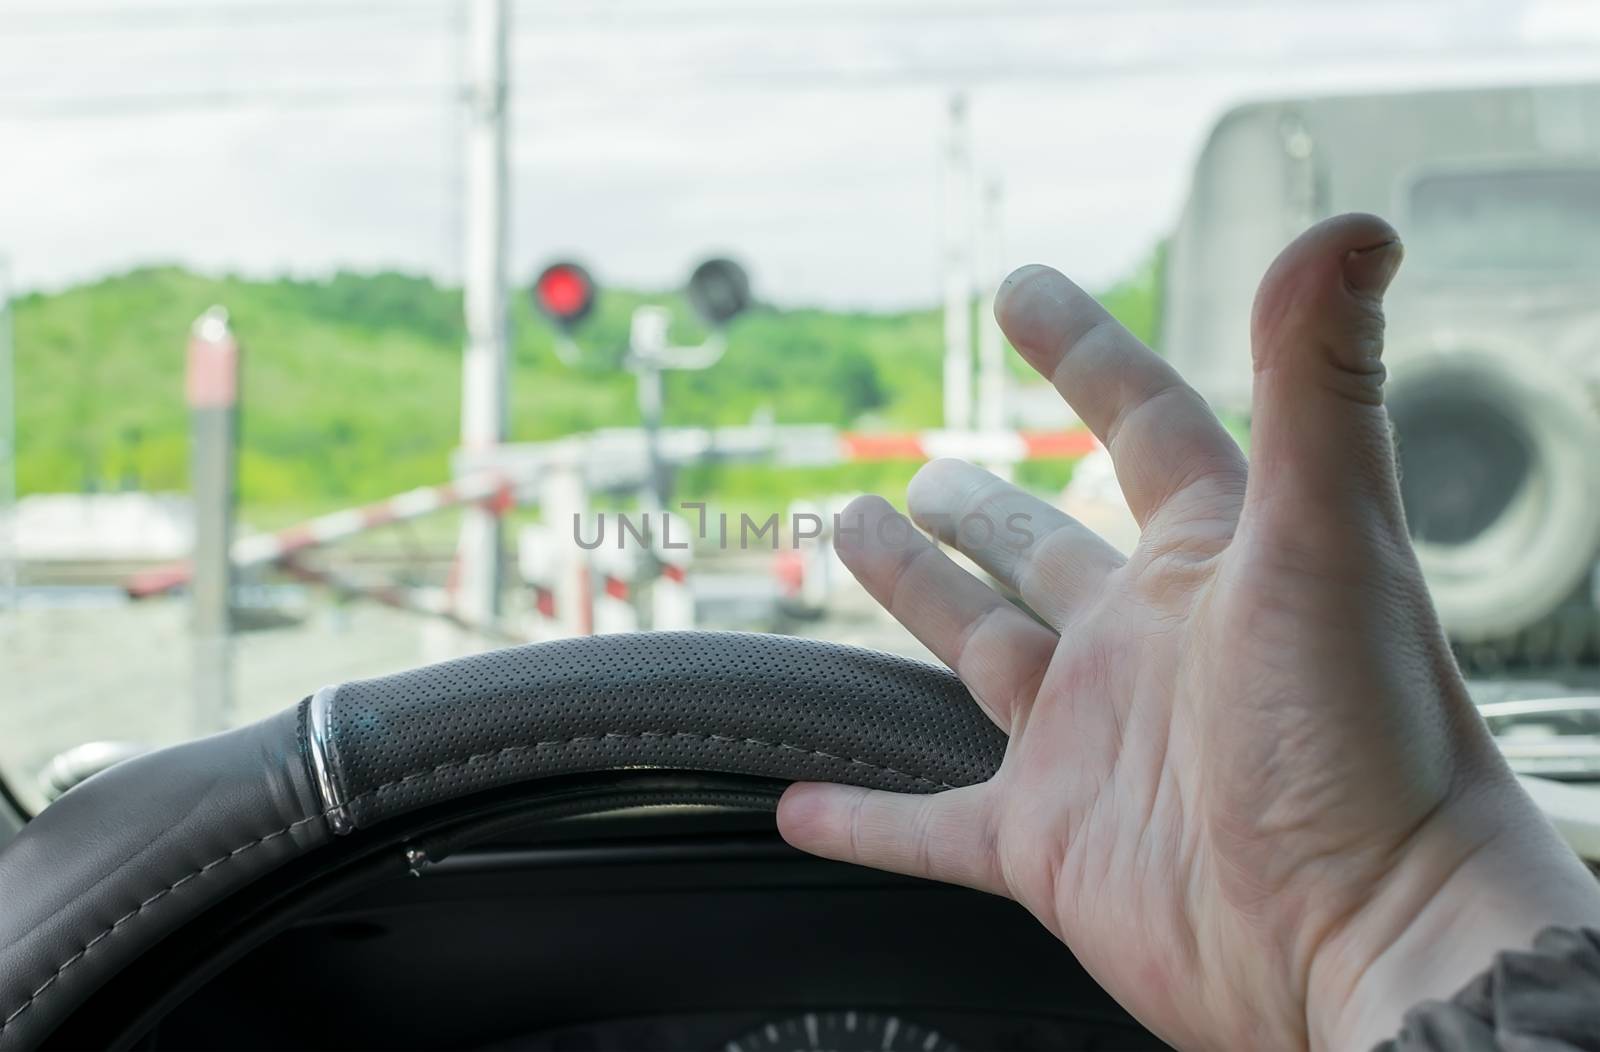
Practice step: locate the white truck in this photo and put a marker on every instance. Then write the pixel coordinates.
(1493, 343)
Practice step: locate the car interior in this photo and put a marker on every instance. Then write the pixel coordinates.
(320, 323)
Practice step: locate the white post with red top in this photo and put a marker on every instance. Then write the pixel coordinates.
(615, 575)
(212, 389)
(554, 564)
(565, 502)
(671, 598)
(539, 564)
(484, 372)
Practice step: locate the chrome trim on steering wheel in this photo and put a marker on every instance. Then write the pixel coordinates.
(319, 742)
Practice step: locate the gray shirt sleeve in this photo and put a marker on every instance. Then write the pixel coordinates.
(1544, 1001)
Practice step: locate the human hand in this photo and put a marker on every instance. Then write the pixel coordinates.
(1244, 781)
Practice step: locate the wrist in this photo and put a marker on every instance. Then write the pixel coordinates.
(1486, 873)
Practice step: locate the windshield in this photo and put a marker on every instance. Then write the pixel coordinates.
(1541, 220)
(341, 338)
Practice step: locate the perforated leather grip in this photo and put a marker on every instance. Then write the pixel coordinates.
(736, 703)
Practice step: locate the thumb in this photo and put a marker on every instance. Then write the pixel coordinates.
(1322, 466)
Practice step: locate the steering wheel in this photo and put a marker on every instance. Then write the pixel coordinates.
(129, 891)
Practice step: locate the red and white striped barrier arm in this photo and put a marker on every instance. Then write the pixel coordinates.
(561, 580)
(1001, 447)
(619, 457)
(261, 548)
(613, 598)
(395, 597)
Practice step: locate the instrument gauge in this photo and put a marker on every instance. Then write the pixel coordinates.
(843, 1031)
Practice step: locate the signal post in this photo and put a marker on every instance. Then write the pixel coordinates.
(212, 391)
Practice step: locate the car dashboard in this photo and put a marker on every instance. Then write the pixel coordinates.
(680, 928)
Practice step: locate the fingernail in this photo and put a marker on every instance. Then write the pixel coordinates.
(1019, 274)
(1369, 270)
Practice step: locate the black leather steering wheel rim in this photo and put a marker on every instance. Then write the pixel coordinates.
(129, 858)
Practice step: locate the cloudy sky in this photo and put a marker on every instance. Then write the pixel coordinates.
(803, 136)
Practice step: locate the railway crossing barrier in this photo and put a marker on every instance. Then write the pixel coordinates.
(577, 587)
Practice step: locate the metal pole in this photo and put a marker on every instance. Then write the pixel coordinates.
(651, 397)
(958, 270)
(991, 345)
(647, 347)
(212, 387)
(483, 381)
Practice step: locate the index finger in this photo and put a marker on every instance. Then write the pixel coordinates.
(1163, 438)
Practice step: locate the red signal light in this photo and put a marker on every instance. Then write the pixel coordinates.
(564, 293)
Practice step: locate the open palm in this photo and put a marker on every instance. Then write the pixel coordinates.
(1242, 765)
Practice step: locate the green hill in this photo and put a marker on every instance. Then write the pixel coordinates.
(351, 384)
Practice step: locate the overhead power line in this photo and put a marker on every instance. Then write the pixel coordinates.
(165, 17)
(545, 17)
(130, 103)
(687, 78)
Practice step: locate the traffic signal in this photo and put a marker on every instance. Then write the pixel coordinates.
(719, 290)
(565, 293)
